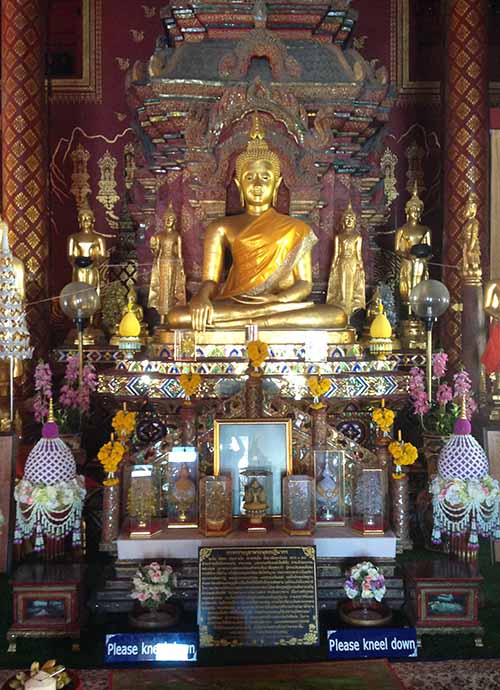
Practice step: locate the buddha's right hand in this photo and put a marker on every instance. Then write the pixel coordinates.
(202, 311)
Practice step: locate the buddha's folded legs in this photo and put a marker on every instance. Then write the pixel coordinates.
(229, 314)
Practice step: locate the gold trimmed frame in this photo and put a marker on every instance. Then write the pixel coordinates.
(400, 59)
(263, 420)
(87, 88)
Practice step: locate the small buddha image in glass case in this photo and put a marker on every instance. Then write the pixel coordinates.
(183, 487)
(369, 500)
(256, 491)
(298, 504)
(216, 505)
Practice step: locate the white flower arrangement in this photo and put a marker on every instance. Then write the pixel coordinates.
(365, 582)
(54, 498)
(152, 584)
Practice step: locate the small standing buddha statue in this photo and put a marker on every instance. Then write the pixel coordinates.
(270, 279)
(86, 250)
(168, 281)
(346, 285)
(413, 269)
(471, 252)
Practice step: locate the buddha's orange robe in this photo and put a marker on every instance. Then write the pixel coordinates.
(265, 253)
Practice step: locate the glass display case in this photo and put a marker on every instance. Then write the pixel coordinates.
(369, 500)
(256, 493)
(142, 501)
(182, 487)
(216, 505)
(329, 468)
(299, 513)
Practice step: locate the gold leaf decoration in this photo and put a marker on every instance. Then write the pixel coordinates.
(123, 63)
(137, 36)
(80, 187)
(107, 195)
(149, 11)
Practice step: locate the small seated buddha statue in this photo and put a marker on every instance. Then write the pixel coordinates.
(89, 246)
(134, 307)
(270, 279)
(255, 502)
(413, 267)
(346, 285)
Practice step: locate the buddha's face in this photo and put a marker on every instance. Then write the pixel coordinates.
(258, 182)
(349, 221)
(86, 220)
(413, 213)
(169, 220)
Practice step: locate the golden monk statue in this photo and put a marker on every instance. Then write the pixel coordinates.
(136, 309)
(413, 268)
(471, 252)
(270, 278)
(90, 247)
(168, 282)
(346, 285)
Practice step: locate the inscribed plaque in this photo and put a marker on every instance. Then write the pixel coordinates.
(257, 596)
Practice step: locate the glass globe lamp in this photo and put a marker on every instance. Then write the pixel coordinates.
(79, 301)
(429, 300)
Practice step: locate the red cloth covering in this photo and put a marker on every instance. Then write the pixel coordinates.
(491, 354)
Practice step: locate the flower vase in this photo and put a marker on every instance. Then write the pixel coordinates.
(432, 446)
(364, 613)
(154, 618)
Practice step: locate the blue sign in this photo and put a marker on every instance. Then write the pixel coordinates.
(134, 648)
(371, 643)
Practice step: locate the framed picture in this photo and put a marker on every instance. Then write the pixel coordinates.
(330, 487)
(242, 444)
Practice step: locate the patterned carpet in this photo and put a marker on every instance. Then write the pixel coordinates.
(432, 675)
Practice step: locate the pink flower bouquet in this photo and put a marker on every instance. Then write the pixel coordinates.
(152, 585)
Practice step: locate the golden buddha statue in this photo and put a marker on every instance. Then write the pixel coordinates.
(413, 268)
(271, 273)
(168, 282)
(471, 252)
(135, 308)
(346, 285)
(88, 245)
(255, 502)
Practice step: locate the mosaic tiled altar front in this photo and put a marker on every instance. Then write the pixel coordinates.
(284, 373)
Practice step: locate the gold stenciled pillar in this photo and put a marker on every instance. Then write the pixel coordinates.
(465, 149)
(24, 170)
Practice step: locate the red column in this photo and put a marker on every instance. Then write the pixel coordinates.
(465, 146)
(24, 169)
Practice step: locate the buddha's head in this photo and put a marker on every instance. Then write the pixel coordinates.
(414, 207)
(86, 219)
(258, 174)
(132, 298)
(471, 205)
(169, 218)
(349, 219)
